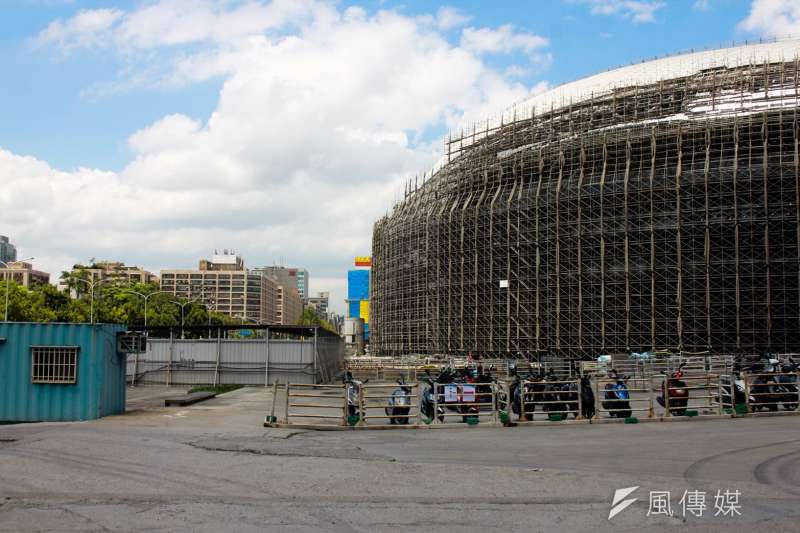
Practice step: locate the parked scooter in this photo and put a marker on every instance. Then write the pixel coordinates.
(616, 398)
(555, 395)
(739, 394)
(787, 385)
(517, 392)
(675, 389)
(764, 392)
(399, 404)
(587, 398)
(427, 403)
(483, 387)
(353, 388)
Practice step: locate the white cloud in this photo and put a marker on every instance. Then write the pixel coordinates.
(174, 22)
(638, 11)
(86, 28)
(500, 40)
(321, 116)
(450, 17)
(702, 5)
(773, 18)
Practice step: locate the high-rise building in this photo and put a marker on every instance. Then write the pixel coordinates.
(224, 285)
(8, 252)
(23, 274)
(290, 276)
(303, 283)
(289, 303)
(289, 307)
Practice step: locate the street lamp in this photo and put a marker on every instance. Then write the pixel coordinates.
(183, 306)
(145, 297)
(8, 282)
(91, 283)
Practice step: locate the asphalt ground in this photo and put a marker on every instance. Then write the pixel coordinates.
(214, 467)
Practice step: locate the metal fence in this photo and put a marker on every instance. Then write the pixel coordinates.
(707, 395)
(220, 361)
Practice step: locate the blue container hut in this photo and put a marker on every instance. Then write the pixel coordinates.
(60, 372)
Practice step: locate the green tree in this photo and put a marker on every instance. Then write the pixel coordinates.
(311, 318)
(115, 301)
(25, 305)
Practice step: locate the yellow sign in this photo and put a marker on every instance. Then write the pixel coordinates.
(363, 261)
(364, 311)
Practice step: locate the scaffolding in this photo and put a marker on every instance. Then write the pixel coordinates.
(648, 216)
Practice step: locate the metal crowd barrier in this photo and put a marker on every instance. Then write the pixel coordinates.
(759, 397)
(709, 394)
(375, 397)
(703, 394)
(531, 398)
(457, 399)
(726, 393)
(640, 400)
(303, 402)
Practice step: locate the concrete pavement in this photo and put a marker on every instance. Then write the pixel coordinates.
(212, 467)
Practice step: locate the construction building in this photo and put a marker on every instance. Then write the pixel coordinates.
(224, 285)
(23, 274)
(651, 207)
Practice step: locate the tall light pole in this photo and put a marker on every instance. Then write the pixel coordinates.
(7, 277)
(91, 283)
(145, 297)
(182, 306)
(209, 303)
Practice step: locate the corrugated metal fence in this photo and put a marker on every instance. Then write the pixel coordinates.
(236, 361)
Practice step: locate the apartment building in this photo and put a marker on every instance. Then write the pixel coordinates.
(225, 285)
(118, 271)
(23, 273)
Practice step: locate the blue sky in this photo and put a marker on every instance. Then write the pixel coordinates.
(47, 112)
(155, 131)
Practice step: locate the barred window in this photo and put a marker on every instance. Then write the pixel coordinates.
(54, 364)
